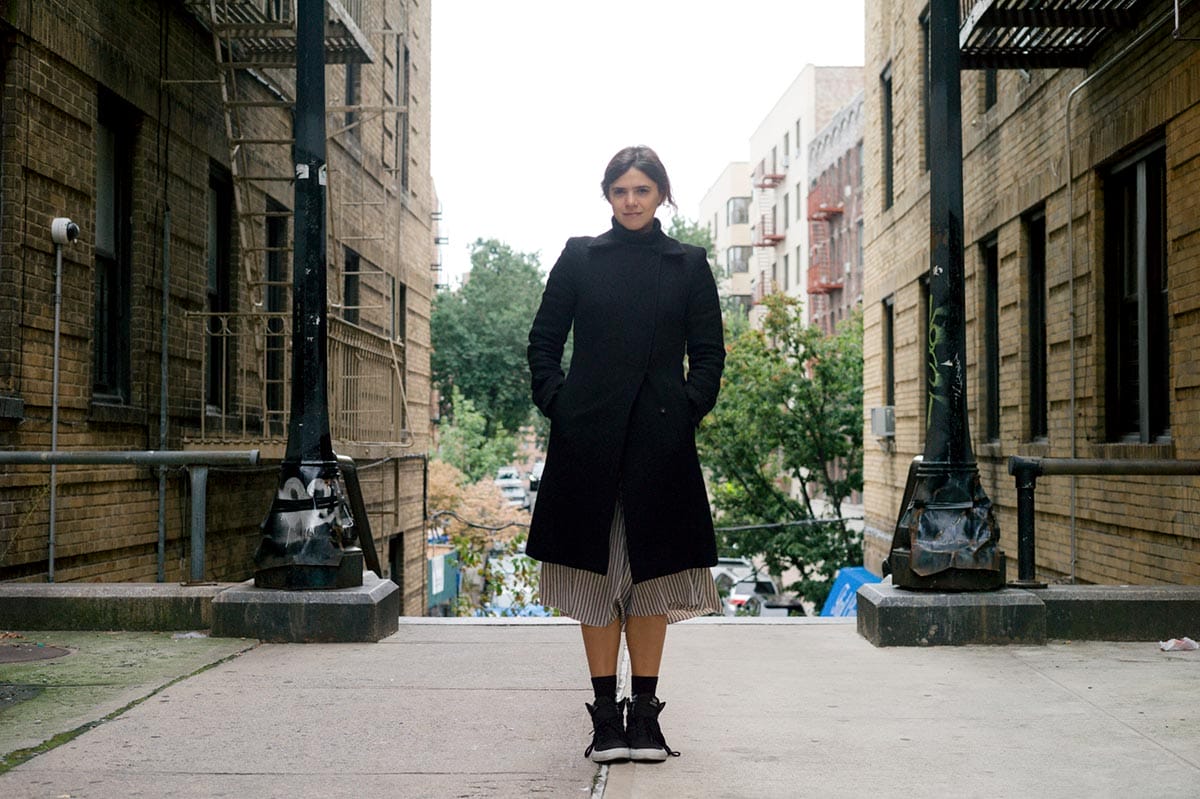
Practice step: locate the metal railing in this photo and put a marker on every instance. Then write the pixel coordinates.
(366, 397)
(245, 362)
(1028, 470)
(196, 462)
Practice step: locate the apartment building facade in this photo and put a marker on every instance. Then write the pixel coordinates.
(780, 179)
(725, 209)
(1079, 159)
(835, 218)
(165, 133)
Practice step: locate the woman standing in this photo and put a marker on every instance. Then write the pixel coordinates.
(622, 524)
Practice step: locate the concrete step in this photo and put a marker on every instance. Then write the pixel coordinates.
(891, 616)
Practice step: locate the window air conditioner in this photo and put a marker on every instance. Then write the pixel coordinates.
(883, 422)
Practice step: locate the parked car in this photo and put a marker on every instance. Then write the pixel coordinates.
(509, 481)
(535, 476)
(758, 595)
(729, 571)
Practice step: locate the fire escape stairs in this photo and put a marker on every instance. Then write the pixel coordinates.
(252, 39)
(1029, 34)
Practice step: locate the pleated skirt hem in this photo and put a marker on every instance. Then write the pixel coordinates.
(599, 599)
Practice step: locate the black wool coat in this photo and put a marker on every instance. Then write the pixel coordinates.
(623, 418)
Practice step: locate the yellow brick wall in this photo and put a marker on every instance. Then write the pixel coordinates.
(1102, 530)
(55, 58)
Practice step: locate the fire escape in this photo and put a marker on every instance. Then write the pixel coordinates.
(247, 349)
(1010, 34)
(825, 207)
(764, 235)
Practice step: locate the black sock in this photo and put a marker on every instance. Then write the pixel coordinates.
(605, 686)
(644, 686)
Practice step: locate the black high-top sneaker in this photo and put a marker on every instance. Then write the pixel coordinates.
(608, 731)
(646, 741)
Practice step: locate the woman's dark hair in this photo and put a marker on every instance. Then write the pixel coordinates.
(641, 158)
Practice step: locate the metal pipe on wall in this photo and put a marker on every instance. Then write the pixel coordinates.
(62, 231)
(162, 390)
(54, 409)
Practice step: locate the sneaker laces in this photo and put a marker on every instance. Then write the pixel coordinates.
(607, 725)
(643, 720)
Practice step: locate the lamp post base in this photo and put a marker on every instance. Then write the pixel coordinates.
(296, 577)
(948, 580)
(304, 543)
(946, 538)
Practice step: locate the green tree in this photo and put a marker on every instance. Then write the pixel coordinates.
(790, 410)
(691, 232)
(465, 444)
(480, 333)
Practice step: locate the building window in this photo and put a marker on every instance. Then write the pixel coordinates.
(400, 312)
(738, 259)
(787, 217)
(405, 100)
(220, 341)
(858, 237)
(114, 196)
(885, 85)
(1035, 238)
(989, 88)
(350, 287)
(925, 83)
(991, 339)
(1136, 326)
(353, 98)
(737, 211)
(786, 273)
(889, 350)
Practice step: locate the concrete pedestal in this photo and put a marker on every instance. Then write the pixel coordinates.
(1121, 612)
(370, 612)
(891, 616)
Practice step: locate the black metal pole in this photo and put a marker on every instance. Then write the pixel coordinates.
(1026, 471)
(948, 523)
(304, 534)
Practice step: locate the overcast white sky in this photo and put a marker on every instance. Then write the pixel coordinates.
(532, 97)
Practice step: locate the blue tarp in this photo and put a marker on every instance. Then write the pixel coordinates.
(843, 598)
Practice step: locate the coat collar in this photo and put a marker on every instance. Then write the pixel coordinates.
(659, 241)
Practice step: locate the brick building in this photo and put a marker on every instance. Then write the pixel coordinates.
(835, 218)
(177, 167)
(780, 179)
(1080, 137)
(725, 209)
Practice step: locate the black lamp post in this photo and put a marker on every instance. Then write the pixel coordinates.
(946, 538)
(307, 532)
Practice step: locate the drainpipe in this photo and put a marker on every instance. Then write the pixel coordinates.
(162, 390)
(1172, 15)
(62, 231)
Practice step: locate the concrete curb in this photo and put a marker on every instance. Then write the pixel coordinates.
(890, 616)
(107, 606)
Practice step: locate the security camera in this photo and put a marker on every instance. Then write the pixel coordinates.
(63, 230)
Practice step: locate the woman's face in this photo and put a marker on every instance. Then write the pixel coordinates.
(634, 198)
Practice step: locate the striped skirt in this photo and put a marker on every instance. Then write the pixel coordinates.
(599, 599)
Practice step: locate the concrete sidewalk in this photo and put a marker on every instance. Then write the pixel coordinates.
(794, 708)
